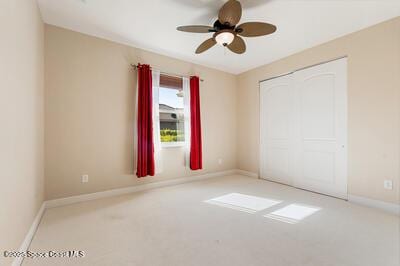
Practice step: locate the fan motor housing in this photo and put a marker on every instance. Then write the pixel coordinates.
(219, 26)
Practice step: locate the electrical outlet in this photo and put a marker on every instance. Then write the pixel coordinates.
(388, 184)
(85, 178)
(220, 161)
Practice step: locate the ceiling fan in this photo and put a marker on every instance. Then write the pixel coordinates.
(226, 31)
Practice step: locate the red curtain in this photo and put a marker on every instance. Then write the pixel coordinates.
(196, 161)
(145, 144)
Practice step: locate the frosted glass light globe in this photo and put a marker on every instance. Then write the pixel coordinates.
(224, 38)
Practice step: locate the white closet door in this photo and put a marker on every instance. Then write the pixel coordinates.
(303, 129)
(321, 128)
(276, 129)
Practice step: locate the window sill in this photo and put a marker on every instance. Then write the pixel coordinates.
(172, 144)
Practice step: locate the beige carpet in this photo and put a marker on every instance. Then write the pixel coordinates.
(230, 221)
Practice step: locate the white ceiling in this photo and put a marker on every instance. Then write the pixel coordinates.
(151, 25)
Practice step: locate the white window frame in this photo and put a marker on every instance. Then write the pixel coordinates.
(176, 144)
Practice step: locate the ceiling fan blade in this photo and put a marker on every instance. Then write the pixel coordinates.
(230, 13)
(254, 29)
(237, 46)
(195, 28)
(207, 44)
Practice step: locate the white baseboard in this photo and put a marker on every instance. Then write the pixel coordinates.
(131, 189)
(389, 207)
(377, 204)
(29, 236)
(246, 173)
(103, 194)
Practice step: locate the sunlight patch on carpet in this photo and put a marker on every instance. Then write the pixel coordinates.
(292, 213)
(242, 202)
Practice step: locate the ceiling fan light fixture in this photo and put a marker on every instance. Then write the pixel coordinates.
(224, 38)
(227, 32)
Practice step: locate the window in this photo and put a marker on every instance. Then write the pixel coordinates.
(171, 108)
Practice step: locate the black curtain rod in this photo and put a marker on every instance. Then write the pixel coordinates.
(165, 73)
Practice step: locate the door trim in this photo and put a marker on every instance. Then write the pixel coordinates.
(298, 69)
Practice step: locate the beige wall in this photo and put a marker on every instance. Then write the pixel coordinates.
(21, 120)
(90, 112)
(373, 106)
